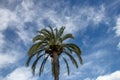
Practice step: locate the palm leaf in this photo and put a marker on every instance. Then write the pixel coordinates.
(42, 65)
(53, 38)
(68, 70)
(35, 62)
(71, 58)
(29, 59)
(61, 30)
(38, 37)
(36, 47)
(75, 49)
(45, 33)
(67, 36)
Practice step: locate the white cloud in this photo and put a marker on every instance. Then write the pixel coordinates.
(88, 79)
(6, 17)
(118, 45)
(117, 30)
(117, 27)
(21, 73)
(8, 58)
(113, 76)
(1, 39)
(27, 11)
(78, 18)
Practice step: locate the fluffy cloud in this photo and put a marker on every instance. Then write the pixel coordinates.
(21, 73)
(6, 18)
(8, 58)
(113, 76)
(1, 39)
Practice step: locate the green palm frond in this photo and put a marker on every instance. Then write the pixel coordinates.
(53, 38)
(46, 33)
(36, 47)
(67, 36)
(29, 59)
(61, 30)
(31, 56)
(52, 32)
(33, 48)
(35, 62)
(56, 33)
(74, 48)
(42, 65)
(71, 58)
(38, 37)
(68, 70)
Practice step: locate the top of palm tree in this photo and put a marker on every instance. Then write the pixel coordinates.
(53, 40)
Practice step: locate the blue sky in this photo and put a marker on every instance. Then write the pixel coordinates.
(94, 23)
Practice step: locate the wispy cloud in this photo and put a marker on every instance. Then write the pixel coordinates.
(6, 18)
(8, 58)
(28, 16)
(117, 27)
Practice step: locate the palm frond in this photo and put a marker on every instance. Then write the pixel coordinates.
(42, 65)
(35, 48)
(45, 33)
(67, 36)
(71, 58)
(61, 30)
(53, 38)
(38, 37)
(35, 63)
(29, 59)
(74, 48)
(68, 70)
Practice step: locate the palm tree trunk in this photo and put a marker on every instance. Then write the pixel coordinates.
(56, 66)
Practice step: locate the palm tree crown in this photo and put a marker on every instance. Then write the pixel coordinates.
(51, 43)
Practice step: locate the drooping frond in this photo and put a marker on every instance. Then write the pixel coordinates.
(36, 47)
(29, 59)
(31, 56)
(68, 70)
(35, 62)
(75, 49)
(42, 65)
(71, 58)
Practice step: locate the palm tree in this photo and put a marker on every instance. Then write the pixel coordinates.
(51, 43)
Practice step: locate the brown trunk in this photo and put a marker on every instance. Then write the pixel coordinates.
(56, 66)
